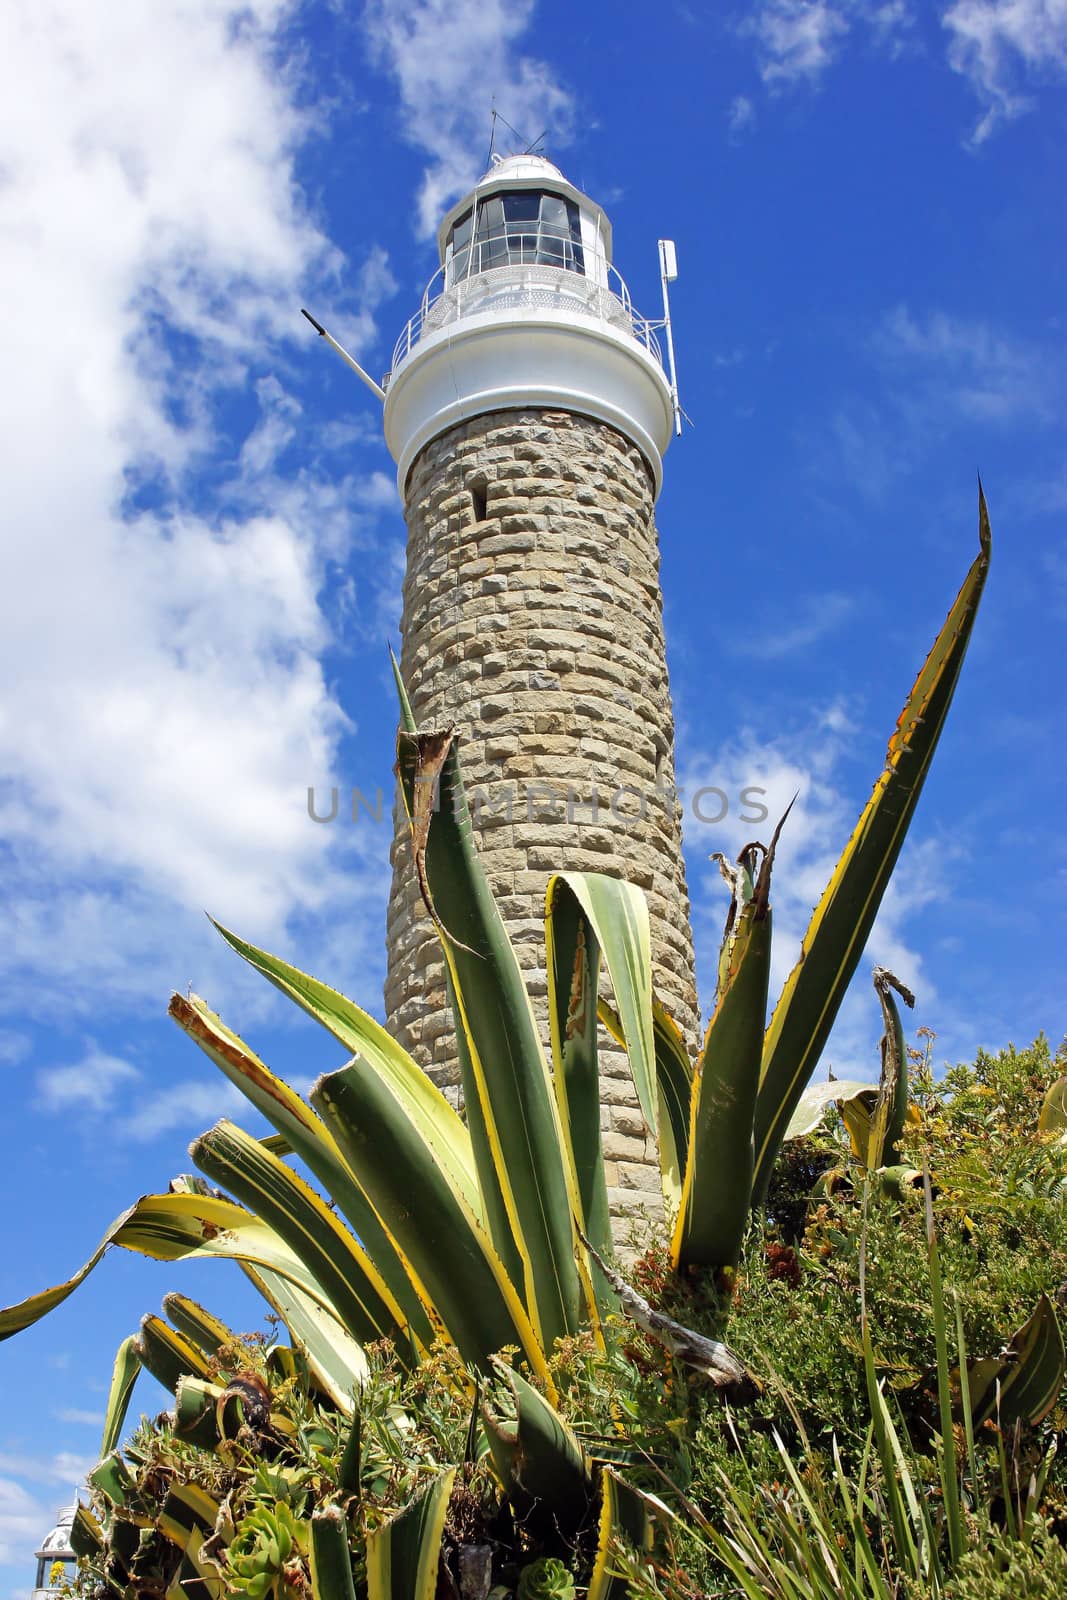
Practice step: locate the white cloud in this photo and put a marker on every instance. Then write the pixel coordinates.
(997, 45)
(741, 117)
(449, 58)
(24, 1521)
(978, 371)
(807, 764)
(797, 39)
(25, 1517)
(192, 1105)
(14, 1046)
(91, 1084)
(102, 1085)
(167, 705)
(88, 1419)
(809, 620)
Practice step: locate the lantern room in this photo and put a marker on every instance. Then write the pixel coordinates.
(56, 1561)
(528, 310)
(524, 213)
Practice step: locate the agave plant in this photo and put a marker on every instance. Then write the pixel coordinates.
(492, 1233)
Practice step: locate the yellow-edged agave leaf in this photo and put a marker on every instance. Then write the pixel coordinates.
(358, 1032)
(1052, 1120)
(527, 1185)
(169, 1355)
(623, 1515)
(123, 1377)
(842, 921)
(173, 1227)
(617, 914)
(811, 1107)
(299, 1216)
(305, 1134)
(1024, 1383)
(337, 1362)
(331, 1561)
(717, 1188)
(544, 1471)
(573, 959)
(447, 1251)
(403, 1554)
(674, 1087)
(206, 1331)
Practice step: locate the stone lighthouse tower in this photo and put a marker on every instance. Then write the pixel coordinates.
(528, 411)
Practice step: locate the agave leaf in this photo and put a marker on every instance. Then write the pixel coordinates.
(842, 921)
(174, 1227)
(123, 1377)
(674, 1087)
(331, 1562)
(717, 1187)
(337, 1362)
(404, 1554)
(167, 1354)
(617, 914)
(1053, 1117)
(573, 959)
(358, 1032)
(623, 1514)
(187, 1518)
(527, 1188)
(543, 1468)
(891, 1106)
(1029, 1374)
(113, 1478)
(196, 1411)
(588, 915)
(306, 1136)
(300, 1217)
(206, 1331)
(811, 1107)
(448, 1254)
(86, 1534)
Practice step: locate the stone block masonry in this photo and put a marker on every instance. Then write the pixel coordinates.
(532, 623)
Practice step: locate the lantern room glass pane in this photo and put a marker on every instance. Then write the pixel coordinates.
(526, 227)
(521, 206)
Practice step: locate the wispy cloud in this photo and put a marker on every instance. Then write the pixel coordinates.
(73, 1414)
(92, 1084)
(797, 39)
(983, 373)
(155, 755)
(26, 1516)
(100, 1085)
(1002, 47)
(740, 118)
(810, 764)
(429, 47)
(930, 373)
(808, 621)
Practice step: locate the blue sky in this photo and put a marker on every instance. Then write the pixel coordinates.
(204, 545)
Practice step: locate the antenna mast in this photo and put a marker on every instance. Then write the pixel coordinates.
(668, 271)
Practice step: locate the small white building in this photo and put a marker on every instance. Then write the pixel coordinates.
(55, 1552)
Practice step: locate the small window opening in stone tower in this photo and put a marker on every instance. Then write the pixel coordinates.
(479, 493)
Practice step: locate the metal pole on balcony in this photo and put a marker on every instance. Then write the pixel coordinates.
(375, 388)
(668, 266)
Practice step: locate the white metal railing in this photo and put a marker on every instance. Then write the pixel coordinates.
(519, 279)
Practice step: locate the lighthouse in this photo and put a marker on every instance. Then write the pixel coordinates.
(528, 409)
